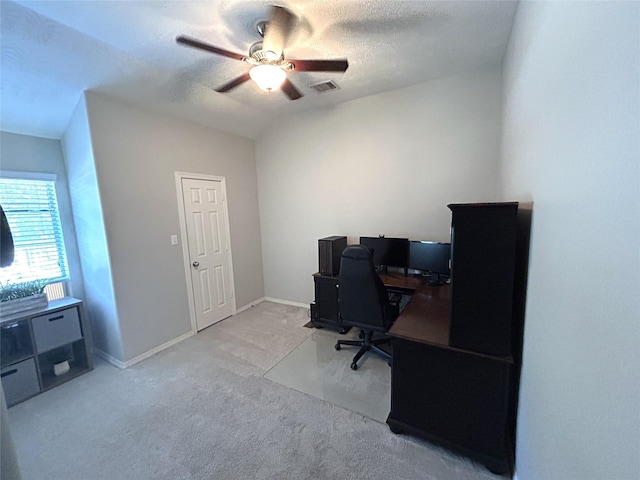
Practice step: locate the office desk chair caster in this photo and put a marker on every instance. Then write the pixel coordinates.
(367, 344)
(354, 365)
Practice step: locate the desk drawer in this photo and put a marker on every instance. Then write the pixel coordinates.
(20, 381)
(56, 329)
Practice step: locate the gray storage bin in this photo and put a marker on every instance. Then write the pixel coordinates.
(56, 329)
(20, 381)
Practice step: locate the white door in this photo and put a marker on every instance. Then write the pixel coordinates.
(209, 252)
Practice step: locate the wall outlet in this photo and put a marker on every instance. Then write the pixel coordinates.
(174, 239)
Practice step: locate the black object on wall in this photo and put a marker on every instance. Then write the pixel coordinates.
(329, 252)
(6, 241)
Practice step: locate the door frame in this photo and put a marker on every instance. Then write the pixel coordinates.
(179, 176)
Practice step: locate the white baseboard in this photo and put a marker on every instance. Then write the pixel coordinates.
(249, 305)
(105, 356)
(287, 302)
(114, 361)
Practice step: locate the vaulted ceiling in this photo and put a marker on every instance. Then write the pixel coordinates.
(51, 51)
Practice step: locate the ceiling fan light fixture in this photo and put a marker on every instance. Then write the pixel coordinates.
(268, 77)
(269, 68)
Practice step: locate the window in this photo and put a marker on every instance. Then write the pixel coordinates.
(29, 202)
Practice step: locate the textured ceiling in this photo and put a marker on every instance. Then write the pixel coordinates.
(53, 50)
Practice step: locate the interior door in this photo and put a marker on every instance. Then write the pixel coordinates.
(209, 250)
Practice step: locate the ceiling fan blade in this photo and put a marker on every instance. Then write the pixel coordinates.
(290, 90)
(320, 65)
(233, 83)
(191, 42)
(278, 30)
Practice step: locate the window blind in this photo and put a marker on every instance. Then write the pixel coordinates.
(31, 208)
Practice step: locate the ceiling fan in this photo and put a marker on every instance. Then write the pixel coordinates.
(269, 66)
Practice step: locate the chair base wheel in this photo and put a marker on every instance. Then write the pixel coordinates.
(337, 346)
(354, 366)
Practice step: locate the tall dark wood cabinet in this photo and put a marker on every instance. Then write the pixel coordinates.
(453, 373)
(483, 249)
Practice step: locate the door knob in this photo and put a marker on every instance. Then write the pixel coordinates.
(196, 264)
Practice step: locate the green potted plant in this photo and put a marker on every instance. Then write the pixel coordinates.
(22, 296)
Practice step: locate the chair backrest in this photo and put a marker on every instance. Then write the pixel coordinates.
(362, 298)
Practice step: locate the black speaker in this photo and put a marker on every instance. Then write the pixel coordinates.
(329, 251)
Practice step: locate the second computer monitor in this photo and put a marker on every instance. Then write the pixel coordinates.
(388, 252)
(432, 257)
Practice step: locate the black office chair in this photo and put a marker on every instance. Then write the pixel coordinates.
(363, 302)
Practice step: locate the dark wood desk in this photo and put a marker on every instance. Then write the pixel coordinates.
(453, 377)
(325, 308)
(451, 396)
(433, 303)
(397, 282)
(324, 311)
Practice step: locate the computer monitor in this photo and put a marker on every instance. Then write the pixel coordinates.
(388, 252)
(430, 257)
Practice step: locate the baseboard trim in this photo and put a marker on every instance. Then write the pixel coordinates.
(123, 365)
(287, 302)
(105, 356)
(249, 305)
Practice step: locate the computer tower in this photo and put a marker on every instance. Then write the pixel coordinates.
(329, 252)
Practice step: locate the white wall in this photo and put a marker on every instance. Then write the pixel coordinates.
(137, 153)
(24, 153)
(571, 146)
(386, 164)
(100, 302)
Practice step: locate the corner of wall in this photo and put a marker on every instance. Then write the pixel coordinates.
(90, 231)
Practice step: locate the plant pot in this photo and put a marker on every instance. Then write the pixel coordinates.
(25, 304)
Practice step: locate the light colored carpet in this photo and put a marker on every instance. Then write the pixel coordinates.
(202, 410)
